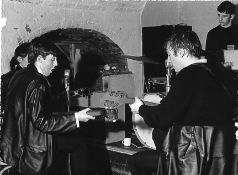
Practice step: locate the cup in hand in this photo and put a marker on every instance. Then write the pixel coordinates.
(126, 141)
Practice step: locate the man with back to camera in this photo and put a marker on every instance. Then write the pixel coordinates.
(30, 125)
(198, 110)
(18, 61)
(225, 34)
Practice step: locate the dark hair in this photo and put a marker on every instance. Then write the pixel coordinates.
(187, 40)
(226, 7)
(40, 47)
(22, 51)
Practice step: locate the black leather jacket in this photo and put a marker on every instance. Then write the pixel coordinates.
(29, 122)
(5, 80)
(198, 110)
(198, 150)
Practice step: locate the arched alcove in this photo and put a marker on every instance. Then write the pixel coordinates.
(85, 52)
(88, 40)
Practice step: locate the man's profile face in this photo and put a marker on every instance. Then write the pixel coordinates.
(175, 59)
(48, 64)
(224, 19)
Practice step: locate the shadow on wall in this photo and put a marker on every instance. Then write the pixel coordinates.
(88, 70)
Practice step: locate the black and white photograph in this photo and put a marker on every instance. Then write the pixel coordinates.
(119, 87)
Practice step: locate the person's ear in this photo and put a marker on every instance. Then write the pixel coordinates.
(19, 59)
(232, 16)
(39, 58)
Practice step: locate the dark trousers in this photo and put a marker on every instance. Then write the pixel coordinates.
(72, 148)
(143, 163)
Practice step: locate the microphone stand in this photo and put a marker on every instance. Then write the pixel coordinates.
(89, 97)
(68, 98)
(66, 81)
(168, 75)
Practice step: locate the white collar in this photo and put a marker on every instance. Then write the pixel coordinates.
(202, 60)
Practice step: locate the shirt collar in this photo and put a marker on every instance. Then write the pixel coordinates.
(202, 60)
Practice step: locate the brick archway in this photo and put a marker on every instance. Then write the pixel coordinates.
(95, 50)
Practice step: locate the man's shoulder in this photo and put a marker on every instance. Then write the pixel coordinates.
(7, 75)
(215, 29)
(30, 74)
(234, 26)
(189, 71)
(195, 69)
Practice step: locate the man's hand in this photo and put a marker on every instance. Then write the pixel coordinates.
(82, 116)
(136, 105)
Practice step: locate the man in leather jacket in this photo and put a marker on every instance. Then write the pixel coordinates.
(198, 111)
(29, 124)
(17, 62)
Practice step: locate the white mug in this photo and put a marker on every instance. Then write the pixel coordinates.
(126, 141)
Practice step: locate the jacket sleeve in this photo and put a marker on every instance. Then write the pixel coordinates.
(38, 108)
(173, 106)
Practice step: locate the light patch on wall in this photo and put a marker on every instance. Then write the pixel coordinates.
(3, 22)
(23, 1)
(28, 29)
